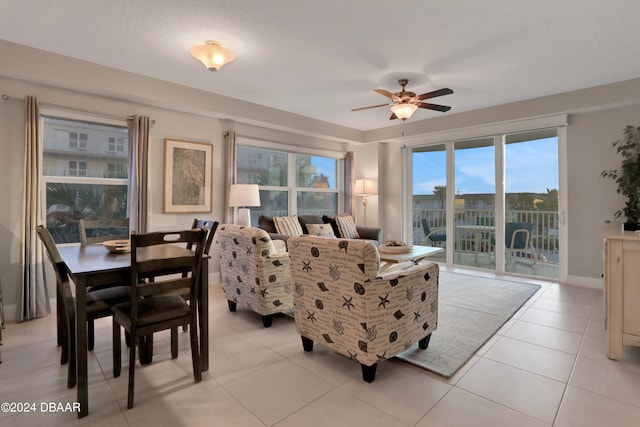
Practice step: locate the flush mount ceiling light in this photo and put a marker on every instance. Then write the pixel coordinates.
(212, 54)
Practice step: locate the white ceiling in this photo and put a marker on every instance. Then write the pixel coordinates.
(322, 58)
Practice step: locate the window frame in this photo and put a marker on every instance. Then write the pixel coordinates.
(79, 179)
(291, 187)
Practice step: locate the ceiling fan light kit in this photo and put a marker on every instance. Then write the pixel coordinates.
(212, 54)
(404, 111)
(406, 103)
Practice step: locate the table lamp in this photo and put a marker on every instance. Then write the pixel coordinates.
(241, 196)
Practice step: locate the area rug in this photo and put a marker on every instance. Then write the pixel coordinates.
(471, 309)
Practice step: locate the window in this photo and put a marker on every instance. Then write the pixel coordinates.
(291, 183)
(77, 168)
(116, 144)
(78, 141)
(82, 176)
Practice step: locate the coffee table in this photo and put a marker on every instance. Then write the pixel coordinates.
(416, 253)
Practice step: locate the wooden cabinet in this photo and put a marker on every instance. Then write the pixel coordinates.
(622, 289)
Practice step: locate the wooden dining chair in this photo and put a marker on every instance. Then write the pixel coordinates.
(99, 302)
(157, 305)
(102, 230)
(210, 227)
(98, 231)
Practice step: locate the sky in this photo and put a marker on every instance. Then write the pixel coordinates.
(531, 166)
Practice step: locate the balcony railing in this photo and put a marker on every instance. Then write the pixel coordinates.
(544, 237)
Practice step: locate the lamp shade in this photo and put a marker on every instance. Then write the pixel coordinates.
(364, 187)
(404, 111)
(244, 195)
(212, 54)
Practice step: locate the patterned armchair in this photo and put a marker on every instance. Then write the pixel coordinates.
(253, 273)
(343, 302)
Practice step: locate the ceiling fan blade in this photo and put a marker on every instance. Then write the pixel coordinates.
(435, 93)
(436, 107)
(393, 116)
(387, 94)
(366, 108)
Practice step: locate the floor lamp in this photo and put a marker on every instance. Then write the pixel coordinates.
(364, 187)
(241, 196)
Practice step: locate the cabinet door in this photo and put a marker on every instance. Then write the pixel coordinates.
(631, 287)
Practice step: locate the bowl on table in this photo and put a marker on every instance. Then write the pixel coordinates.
(117, 246)
(394, 247)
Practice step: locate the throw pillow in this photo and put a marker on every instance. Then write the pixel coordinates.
(288, 225)
(322, 230)
(347, 227)
(331, 220)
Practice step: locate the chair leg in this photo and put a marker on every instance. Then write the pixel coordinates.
(146, 349)
(117, 350)
(232, 305)
(424, 342)
(307, 344)
(174, 342)
(369, 372)
(195, 353)
(72, 378)
(91, 335)
(132, 367)
(63, 337)
(267, 320)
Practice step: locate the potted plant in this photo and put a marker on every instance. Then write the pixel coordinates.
(628, 176)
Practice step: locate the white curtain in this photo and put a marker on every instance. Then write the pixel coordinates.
(138, 172)
(349, 174)
(230, 146)
(34, 301)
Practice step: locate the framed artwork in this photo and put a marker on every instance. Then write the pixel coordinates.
(188, 176)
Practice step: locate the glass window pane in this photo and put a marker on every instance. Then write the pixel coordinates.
(262, 167)
(61, 148)
(272, 203)
(66, 203)
(317, 203)
(315, 172)
(429, 196)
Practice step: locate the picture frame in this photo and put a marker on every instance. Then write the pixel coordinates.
(188, 176)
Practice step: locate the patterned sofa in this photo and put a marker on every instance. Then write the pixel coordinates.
(341, 300)
(253, 273)
(367, 233)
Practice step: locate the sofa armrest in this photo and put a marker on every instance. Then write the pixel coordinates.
(276, 236)
(370, 233)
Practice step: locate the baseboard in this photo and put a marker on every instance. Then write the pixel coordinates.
(586, 282)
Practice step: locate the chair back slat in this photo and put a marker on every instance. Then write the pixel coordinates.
(163, 270)
(208, 225)
(118, 229)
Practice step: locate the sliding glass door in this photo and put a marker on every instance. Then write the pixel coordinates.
(474, 202)
(494, 201)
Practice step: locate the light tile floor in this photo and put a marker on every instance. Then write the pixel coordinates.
(546, 366)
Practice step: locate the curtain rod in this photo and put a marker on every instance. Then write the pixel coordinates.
(78, 110)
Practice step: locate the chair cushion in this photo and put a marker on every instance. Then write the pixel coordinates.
(288, 225)
(101, 300)
(154, 309)
(347, 227)
(322, 230)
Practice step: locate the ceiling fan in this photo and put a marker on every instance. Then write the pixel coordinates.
(406, 103)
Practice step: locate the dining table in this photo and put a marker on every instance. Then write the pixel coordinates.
(95, 265)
